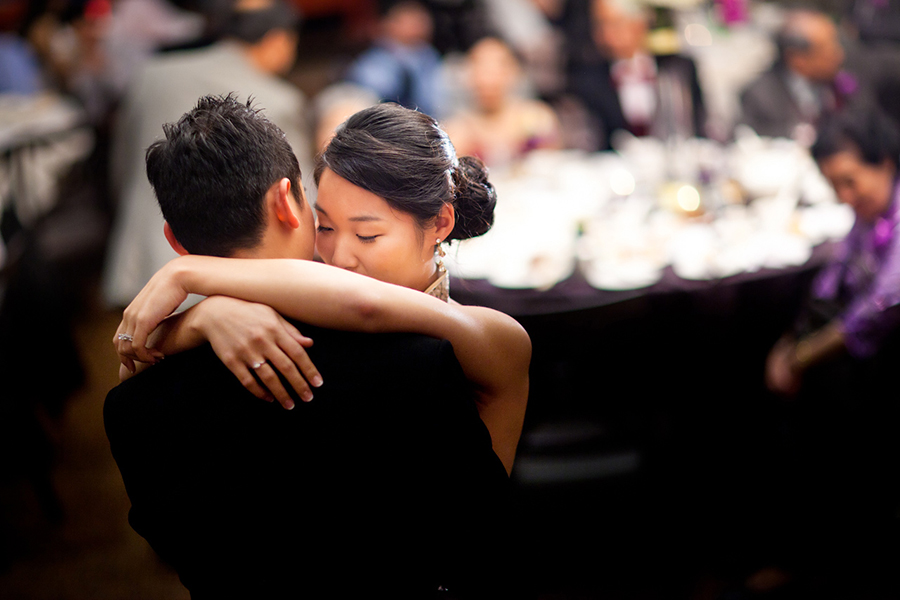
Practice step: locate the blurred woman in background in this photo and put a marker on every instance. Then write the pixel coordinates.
(839, 492)
(503, 124)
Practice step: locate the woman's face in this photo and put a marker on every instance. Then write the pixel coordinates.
(865, 188)
(493, 72)
(360, 232)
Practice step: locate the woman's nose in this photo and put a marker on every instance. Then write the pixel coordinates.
(343, 256)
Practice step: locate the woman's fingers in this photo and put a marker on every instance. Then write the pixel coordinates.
(269, 378)
(245, 375)
(162, 295)
(288, 369)
(297, 353)
(260, 379)
(127, 347)
(286, 356)
(127, 362)
(262, 349)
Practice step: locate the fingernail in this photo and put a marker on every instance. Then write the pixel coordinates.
(269, 398)
(289, 405)
(317, 381)
(307, 396)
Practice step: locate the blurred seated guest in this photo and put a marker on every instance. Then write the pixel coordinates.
(855, 298)
(805, 82)
(334, 105)
(529, 26)
(94, 48)
(876, 21)
(260, 45)
(817, 73)
(627, 88)
(402, 66)
(839, 492)
(20, 72)
(502, 125)
(458, 24)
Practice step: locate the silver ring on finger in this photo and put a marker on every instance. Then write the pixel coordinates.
(125, 337)
(257, 365)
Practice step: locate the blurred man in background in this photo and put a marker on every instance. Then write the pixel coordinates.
(260, 44)
(402, 66)
(629, 89)
(804, 83)
(816, 75)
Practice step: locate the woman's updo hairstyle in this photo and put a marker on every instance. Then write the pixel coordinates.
(403, 156)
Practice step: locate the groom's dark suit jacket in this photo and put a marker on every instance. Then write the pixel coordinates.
(385, 482)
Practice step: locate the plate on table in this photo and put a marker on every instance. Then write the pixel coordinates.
(632, 275)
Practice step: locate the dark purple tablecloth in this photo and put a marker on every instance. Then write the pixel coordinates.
(575, 293)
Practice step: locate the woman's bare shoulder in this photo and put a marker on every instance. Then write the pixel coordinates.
(502, 330)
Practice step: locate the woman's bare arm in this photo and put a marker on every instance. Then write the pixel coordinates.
(312, 292)
(495, 354)
(493, 349)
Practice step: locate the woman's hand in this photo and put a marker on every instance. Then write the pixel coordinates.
(782, 375)
(160, 297)
(256, 344)
(790, 358)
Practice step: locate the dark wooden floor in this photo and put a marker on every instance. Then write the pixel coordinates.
(91, 553)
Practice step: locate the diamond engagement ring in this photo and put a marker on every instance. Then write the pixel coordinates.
(125, 337)
(257, 365)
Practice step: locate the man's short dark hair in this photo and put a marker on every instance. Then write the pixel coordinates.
(213, 170)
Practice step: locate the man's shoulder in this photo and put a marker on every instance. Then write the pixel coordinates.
(772, 79)
(177, 393)
(368, 377)
(406, 352)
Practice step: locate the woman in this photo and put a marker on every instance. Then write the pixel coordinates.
(855, 298)
(837, 492)
(502, 127)
(391, 192)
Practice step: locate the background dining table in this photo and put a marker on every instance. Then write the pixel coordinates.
(651, 310)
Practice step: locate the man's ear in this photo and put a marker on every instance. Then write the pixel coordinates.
(176, 245)
(444, 222)
(283, 204)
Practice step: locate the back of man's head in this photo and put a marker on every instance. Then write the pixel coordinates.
(212, 171)
(267, 29)
(250, 20)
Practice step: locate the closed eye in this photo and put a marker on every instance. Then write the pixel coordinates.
(323, 229)
(367, 239)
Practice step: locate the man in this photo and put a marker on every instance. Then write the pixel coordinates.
(386, 482)
(259, 45)
(625, 88)
(402, 66)
(789, 98)
(814, 76)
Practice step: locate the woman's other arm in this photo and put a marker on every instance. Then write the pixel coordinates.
(495, 354)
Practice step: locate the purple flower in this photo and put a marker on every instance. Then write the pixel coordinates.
(883, 232)
(845, 83)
